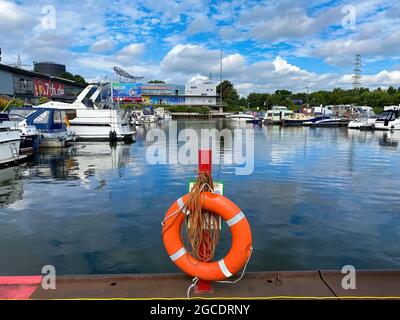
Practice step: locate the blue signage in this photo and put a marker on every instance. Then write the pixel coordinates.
(126, 91)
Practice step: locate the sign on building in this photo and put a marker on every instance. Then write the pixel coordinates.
(47, 88)
(127, 91)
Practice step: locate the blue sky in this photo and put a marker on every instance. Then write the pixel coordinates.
(267, 45)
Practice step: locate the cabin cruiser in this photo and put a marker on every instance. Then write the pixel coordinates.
(365, 120)
(9, 143)
(50, 124)
(93, 119)
(240, 117)
(277, 114)
(389, 119)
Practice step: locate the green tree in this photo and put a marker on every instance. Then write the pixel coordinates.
(155, 81)
(391, 90)
(43, 100)
(229, 93)
(67, 75)
(77, 78)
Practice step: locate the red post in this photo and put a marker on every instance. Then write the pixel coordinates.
(205, 164)
(205, 160)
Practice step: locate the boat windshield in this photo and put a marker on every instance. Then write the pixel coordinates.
(389, 115)
(367, 114)
(18, 114)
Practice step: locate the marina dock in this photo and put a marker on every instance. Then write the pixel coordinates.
(374, 284)
(196, 115)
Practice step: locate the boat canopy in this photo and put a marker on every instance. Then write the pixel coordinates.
(46, 119)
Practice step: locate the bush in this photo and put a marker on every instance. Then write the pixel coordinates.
(17, 102)
(3, 103)
(43, 100)
(204, 110)
(234, 108)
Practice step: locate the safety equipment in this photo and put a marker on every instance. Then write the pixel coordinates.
(239, 253)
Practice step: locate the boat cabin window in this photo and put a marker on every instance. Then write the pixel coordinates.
(43, 118)
(70, 114)
(57, 120)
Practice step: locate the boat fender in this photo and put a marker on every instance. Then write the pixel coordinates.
(239, 253)
(113, 136)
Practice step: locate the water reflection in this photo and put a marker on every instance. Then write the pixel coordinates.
(11, 187)
(389, 140)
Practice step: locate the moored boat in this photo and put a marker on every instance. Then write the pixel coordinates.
(29, 135)
(95, 120)
(240, 116)
(52, 127)
(277, 114)
(365, 120)
(9, 144)
(315, 119)
(332, 122)
(389, 119)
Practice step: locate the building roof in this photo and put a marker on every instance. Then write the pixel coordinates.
(38, 75)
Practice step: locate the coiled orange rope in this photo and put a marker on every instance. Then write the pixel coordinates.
(202, 228)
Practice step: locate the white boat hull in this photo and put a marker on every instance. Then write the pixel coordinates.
(96, 124)
(357, 124)
(241, 118)
(392, 125)
(9, 146)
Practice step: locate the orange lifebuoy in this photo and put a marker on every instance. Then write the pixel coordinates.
(238, 254)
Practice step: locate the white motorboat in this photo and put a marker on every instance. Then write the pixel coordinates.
(330, 122)
(95, 120)
(241, 117)
(389, 119)
(150, 118)
(29, 135)
(9, 144)
(167, 115)
(365, 120)
(162, 114)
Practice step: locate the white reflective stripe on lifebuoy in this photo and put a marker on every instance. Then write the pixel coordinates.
(178, 254)
(235, 219)
(181, 205)
(224, 269)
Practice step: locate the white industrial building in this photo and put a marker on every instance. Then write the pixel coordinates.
(204, 94)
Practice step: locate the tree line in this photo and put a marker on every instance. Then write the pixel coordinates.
(377, 98)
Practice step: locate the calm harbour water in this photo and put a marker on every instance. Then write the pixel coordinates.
(317, 199)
